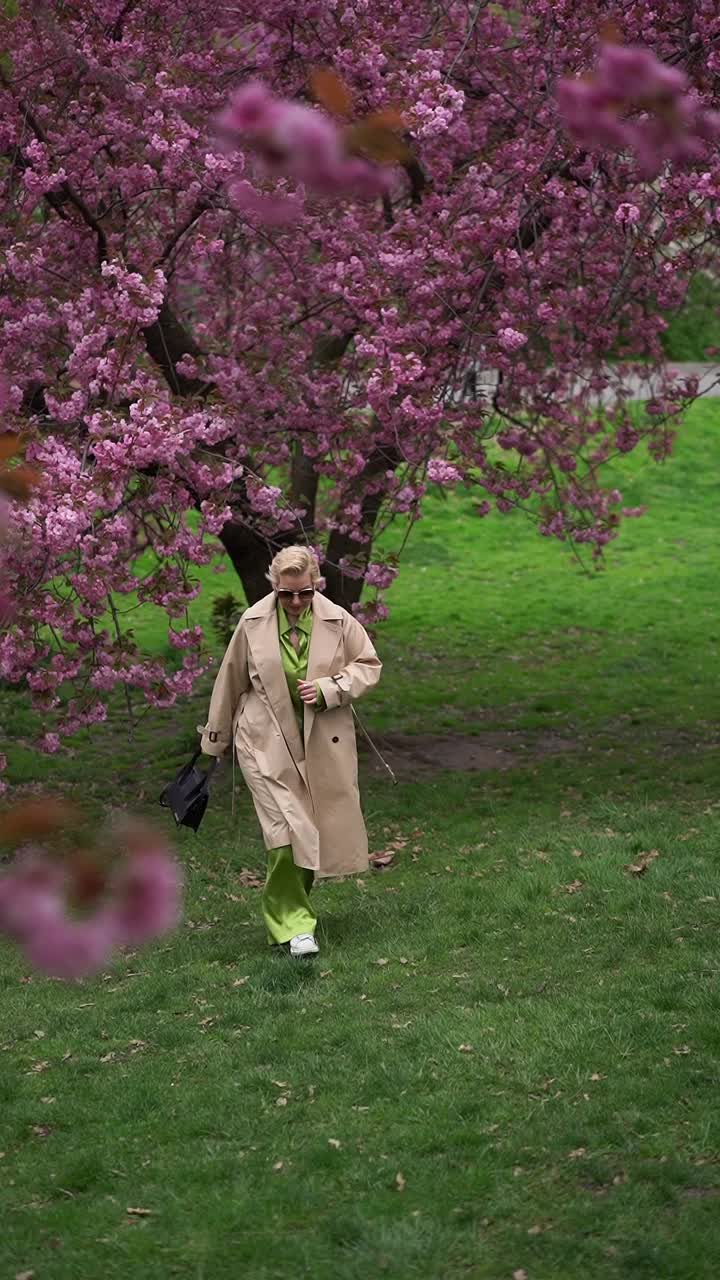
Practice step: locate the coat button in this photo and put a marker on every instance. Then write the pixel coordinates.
(336, 739)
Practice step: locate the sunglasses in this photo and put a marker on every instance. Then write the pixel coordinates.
(307, 593)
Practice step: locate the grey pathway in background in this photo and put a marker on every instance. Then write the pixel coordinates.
(639, 388)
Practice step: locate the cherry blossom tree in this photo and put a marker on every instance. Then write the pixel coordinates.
(254, 258)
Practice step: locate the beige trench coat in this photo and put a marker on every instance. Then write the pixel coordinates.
(305, 795)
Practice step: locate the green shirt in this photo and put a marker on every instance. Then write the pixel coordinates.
(295, 662)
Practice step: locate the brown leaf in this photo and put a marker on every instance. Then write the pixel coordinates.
(610, 32)
(24, 1275)
(643, 862)
(250, 879)
(140, 1213)
(377, 137)
(520, 1274)
(382, 962)
(330, 91)
(335, 1143)
(574, 887)
(381, 860)
(466, 1048)
(400, 1182)
(278, 1166)
(240, 982)
(10, 445)
(33, 819)
(577, 1154)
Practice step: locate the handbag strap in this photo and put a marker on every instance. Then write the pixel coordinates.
(213, 762)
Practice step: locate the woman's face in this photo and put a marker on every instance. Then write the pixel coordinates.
(295, 582)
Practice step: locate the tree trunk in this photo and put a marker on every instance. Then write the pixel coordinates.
(251, 554)
(340, 588)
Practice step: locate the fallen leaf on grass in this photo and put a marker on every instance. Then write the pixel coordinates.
(240, 982)
(140, 1213)
(400, 1182)
(466, 1048)
(278, 1166)
(577, 1154)
(381, 860)
(643, 862)
(682, 1048)
(335, 1143)
(520, 1274)
(574, 887)
(24, 1275)
(382, 962)
(250, 879)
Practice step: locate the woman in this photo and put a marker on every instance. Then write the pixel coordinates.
(283, 697)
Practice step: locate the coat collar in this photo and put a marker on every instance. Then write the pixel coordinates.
(264, 642)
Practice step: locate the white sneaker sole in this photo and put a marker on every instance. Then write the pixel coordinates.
(305, 950)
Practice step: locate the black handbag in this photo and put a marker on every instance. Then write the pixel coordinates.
(188, 794)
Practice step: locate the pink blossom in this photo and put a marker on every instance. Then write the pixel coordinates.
(273, 210)
(443, 473)
(380, 575)
(147, 897)
(627, 214)
(631, 79)
(139, 901)
(294, 140)
(31, 895)
(511, 339)
(71, 949)
(369, 612)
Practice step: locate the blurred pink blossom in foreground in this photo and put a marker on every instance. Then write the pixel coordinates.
(68, 914)
(670, 122)
(296, 141)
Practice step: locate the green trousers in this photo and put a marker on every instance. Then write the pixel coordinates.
(286, 897)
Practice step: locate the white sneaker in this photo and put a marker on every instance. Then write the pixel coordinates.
(303, 944)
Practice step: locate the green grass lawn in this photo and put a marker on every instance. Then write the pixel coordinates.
(505, 1059)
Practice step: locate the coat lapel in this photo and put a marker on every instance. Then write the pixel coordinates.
(262, 633)
(324, 643)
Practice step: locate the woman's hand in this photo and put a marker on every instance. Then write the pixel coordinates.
(307, 691)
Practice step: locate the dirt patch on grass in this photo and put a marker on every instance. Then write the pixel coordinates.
(421, 755)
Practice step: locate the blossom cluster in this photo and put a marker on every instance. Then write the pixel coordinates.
(294, 140)
(271, 325)
(669, 123)
(69, 914)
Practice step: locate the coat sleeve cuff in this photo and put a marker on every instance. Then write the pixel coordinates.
(331, 692)
(212, 741)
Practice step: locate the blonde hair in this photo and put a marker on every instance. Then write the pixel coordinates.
(294, 560)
